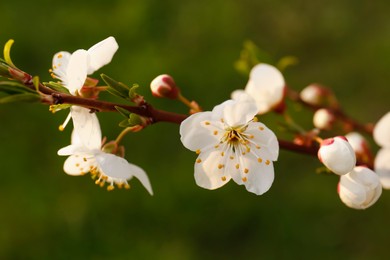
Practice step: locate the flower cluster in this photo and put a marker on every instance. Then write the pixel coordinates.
(229, 140)
(86, 153)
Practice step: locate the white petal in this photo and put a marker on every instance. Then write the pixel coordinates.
(118, 168)
(196, 136)
(140, 174)
(87, 127)
(266, 85)
(78, 164)
(101, 54)
(265, 138)
(238, 94)
(258, 176)
(60, 65)
(71, 149)
(239, 113)
(382, 166)
(208, 174)
(113, 166)
(382, 131)
(76, 72)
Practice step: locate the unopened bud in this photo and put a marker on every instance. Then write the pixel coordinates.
(324, 119)
(317, 95)
(360, 146)
(20, 75)
(164, 86)
(360, 188)
(337, 155)
(382, 131)
(382, 167)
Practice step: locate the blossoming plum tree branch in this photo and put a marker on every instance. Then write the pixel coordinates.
(229, 141)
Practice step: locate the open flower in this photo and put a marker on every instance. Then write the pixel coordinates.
(337, 155)
(72, 69)
(231, 145)
(266, 86)
(360, 188)
(85, 155)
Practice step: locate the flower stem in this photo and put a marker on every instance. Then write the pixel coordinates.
(123, 133)
(189, 104)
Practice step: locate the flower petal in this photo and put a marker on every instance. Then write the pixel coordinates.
(60, 65)
(266, 85)
(255, 175)
(382, 131)
(78, 164)
(76, 71)
(239, 113)
(101, 54)
(87, 127)
(140, 174)
(382, 166)
(208, 172)
(196, 136)
(118, 168)
(263, 137)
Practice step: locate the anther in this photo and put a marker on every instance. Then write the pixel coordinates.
(231, 157)
(127, 186)
(199, 160)
(237, 166)
(110, 187)
(267, 162)
(220, 166)
(215, 132)
(198, 151)
(207, 123)
(261, 128)
(223, 178)
(244, 179)
(222, 154)
(246, 170)
(259, 160)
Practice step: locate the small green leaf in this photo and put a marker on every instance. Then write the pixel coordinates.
(56, 86)
(123, 112)
(7, 52)
(35, 81)
(14, 87)
(119, 87)
(114, 92)
(135, 119)
(20, 98)
(125, 123)
(132, 91)
(287, 61)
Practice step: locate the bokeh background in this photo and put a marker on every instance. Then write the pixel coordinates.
(46, 214)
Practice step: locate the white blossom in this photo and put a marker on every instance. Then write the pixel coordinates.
(323, 119)
(231, 145)
(266, 86)
(72, 69)
(85, 155)
(337, 155)
(360, 188)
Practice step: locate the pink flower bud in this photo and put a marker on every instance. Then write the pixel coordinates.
(360, 188)
(337, 155)
(164, 86)
(382, 131)
(323, 119)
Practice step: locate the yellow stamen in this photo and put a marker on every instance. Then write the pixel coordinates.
(267, 162)
(237, 166)
(207, 123)
(110, 187)
(220, 166)
(259, 160)
(231, 157)
(244, 179)
(199, 160)
(198, 151)
(215, 132)
(223, 178)
(246, 170)
(222, 154)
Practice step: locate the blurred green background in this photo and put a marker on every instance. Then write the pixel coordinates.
(46, 214)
